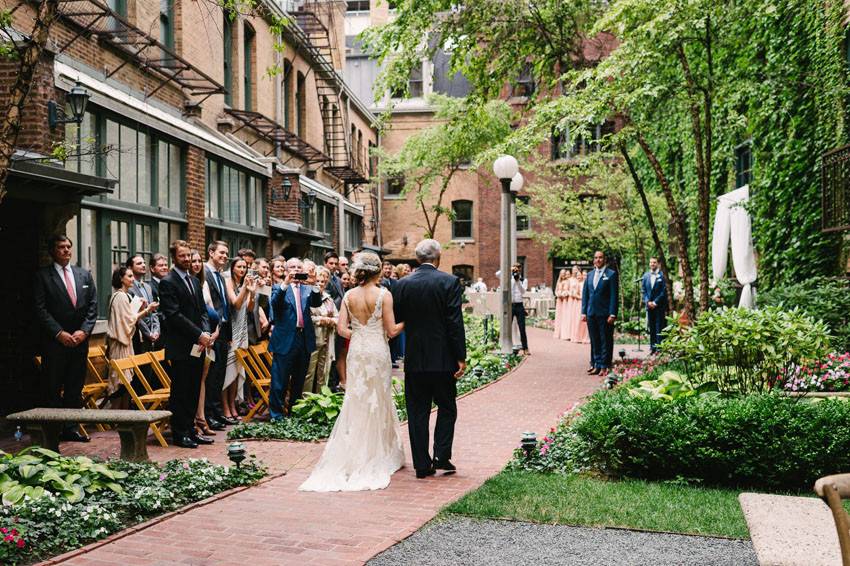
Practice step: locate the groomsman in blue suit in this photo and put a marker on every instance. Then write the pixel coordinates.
(655, 296)
(599, 303)
(292, 339)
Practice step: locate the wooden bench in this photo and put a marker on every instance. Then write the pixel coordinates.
(791, 531)
(45, 425)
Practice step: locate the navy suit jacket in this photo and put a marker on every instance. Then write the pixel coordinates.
(285, 317)
(604, 300)
(54, 310)
(184, 315)
(429, 303)
(655, 293)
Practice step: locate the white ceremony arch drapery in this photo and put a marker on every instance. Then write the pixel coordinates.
(732, 221)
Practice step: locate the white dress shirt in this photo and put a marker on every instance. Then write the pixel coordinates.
(518, 289)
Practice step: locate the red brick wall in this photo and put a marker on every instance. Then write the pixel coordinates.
(196, 171)
(35, 134)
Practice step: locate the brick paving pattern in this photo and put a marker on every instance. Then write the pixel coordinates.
(274, 524)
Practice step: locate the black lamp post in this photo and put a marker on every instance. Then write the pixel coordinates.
(77, 99)
(529, 444)
(236, 452)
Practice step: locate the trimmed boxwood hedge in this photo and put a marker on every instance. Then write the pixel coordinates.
(763, 441)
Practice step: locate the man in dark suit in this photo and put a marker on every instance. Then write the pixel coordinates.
(599, 305)
(293, 338)
(159, 269)
(388, 282)
(429, 303)
(147, 328)
(655, 297)
(66, 308)
(186, 326)
(217, 252)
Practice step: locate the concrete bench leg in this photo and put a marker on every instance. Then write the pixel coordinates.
(45, 434)
(134, 437)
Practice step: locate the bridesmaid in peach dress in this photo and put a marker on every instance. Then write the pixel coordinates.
(579, 335)
(562, 293)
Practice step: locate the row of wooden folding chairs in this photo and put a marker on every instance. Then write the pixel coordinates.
(152, 399)
(256, 360)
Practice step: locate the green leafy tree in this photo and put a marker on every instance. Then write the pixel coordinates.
(431, 158)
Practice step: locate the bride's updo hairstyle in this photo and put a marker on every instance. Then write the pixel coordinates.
(366, 266)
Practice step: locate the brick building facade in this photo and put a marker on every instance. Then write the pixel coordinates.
(200, 125)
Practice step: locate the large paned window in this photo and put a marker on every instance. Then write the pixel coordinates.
(248, 67)
(234, 196)
(394, 186)
(147, 166)
(227, 35)
(166, 22)
(320, 218)
(353, 231)
(357, 6)
(462, 219)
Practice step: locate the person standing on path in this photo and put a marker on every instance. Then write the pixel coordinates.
(655, 297)
(213, 409)
(428, 302)
(187, 337)
(66, 309)
(519, 285)
(599, 303)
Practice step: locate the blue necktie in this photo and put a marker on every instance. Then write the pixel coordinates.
(224, 304)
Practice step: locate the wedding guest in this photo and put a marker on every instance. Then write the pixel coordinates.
(217, 253)
(519, 286)
(336, 291)
(66, 309)
(148, 326)
(124, 314)
(240, 295)
(478, 287)
(310, 269)
(655, 297)
(258, 319)
(278, 271)
(562, 296)
(159, 268)
(580, 335)
(324, 325)
(186, 326)
(573, 307)
(343, 265)
(599, 305)
(345, 279)
(248, 255)
(202, 428)
(402, 270)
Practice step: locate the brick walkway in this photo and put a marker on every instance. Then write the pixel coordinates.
(274, 524)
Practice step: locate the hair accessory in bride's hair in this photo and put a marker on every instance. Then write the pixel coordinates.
(365, 266)
(360, 266)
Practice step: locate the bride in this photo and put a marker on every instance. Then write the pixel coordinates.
(364, 448)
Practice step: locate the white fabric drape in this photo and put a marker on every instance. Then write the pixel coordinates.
(732, 221)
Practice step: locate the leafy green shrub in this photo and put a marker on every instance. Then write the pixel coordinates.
(292, 428)
(671, 385)
(745, 350)
(319, 408)
(822, 298)
(762, 440)
(35, 471)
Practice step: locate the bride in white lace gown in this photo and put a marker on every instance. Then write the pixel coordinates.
(364, 448)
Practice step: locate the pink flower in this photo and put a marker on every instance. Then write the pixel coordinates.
(21, 543)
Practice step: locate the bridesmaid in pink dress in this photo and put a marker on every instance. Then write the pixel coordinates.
(562, 293)
(579, 335)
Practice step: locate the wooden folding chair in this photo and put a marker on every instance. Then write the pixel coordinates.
(151, 400)
(259, 379)
(157, 360)
(262, 357)
(832, 489)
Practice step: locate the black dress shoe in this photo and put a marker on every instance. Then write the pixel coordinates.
(215, 424)
(420, 474)
(596, 371)
(74, 436)
(591, 370)
(201, 439)
(230, 420)
(445, 465)
(185, 442)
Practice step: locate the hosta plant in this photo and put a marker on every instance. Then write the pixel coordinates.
(319, 408)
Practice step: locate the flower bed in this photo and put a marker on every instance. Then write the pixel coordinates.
(829, 375)
(52, 518)
(767, 441)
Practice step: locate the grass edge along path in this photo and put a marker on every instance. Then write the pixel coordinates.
(585, 501)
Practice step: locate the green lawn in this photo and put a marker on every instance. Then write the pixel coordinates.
(576, 500)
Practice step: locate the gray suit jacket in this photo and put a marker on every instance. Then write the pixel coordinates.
(149, 324)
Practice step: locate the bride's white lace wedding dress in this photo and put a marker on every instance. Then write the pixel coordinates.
(364, 448)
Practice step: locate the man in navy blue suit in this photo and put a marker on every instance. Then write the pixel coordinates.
(292, 339)
(655, 296)
(599, 302)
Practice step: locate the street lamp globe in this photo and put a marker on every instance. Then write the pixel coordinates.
(516, 183)
(505, 167)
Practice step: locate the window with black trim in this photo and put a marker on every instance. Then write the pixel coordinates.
(461, 219)
(227, 36)
(523, 221)
(464, 273)
(357, 6)
(525, 85)
(233, 195)
(301, 105)
(743, 164)
(248, 67)
(394, 186)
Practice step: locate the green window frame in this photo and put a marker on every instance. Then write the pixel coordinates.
(462, 220)
(234, 196)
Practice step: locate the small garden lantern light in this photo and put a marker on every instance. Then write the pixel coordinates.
(529, 444)
(622, 353)
(236, 452)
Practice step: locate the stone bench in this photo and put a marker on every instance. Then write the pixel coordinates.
(45, 425)
(791, 531)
